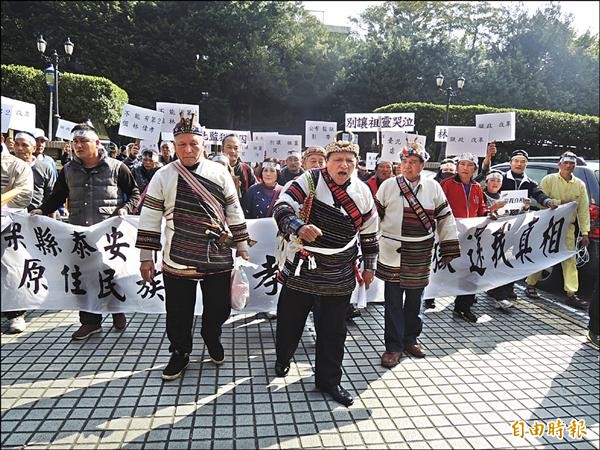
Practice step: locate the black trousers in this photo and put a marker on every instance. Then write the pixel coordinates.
(330, 325)
(464, 302)
(12, 314)
(180, 302)
(502, 292)
(88, 318)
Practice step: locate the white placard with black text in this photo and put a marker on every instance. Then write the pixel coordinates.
(467, 140)
(141, 123)
(172, 113)
(63, 130)
(501, 126)
(319, 133)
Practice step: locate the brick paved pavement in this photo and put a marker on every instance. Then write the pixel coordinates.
(530, 364)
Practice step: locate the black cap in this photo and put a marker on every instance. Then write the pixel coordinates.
(520, 153)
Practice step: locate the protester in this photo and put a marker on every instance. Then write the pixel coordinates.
(145, 171)
(198, 199)
(564, 187)
(491, 192)
(322, 271)
(243, 174)
(97, 187)
(132, 160)
(447, 169)
(43, 175)
(167, 153)
(66, 154)
(362, 172)
(122, 153)
(465, 198)
(16, 174)
(292, 169)
(411, 209)
(113, 151)
(40, 148)
(261, 197)
(383, 171)
(516, 179)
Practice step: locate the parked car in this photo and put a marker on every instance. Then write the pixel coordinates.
(587, 171)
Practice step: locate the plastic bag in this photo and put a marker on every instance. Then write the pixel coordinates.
(240, 287)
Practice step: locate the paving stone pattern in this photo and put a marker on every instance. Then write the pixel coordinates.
(529, 364)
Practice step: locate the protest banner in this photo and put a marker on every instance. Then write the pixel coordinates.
(501, 126)
(319, 133)
(172, 115)
(467, 140)
(63, 130)
(214, 136)
(363, 122)
(48, 264)
(17, 115)
(141, 123)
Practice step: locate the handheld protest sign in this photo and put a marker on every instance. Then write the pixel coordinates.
(501, 126)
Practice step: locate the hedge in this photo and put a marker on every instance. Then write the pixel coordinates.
(81, 97)
(541, 133)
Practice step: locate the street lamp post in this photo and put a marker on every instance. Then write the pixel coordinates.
(439, 80)
(54, 59)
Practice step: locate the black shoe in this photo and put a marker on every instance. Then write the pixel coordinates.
(216, 353)
(352, 312)
(339, 394)
(465, 315)
(281, 369)
(430, 303)
(177, 364)
(576, 302)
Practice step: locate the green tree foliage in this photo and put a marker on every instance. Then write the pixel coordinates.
(509, 58)
(271, 65)
(81, 97)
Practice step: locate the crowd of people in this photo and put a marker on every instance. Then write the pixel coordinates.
(328, 210)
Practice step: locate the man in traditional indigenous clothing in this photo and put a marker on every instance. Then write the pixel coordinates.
(327, 213)
(411, 209)
(198, 199)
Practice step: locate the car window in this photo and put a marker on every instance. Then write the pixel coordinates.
(537, 173)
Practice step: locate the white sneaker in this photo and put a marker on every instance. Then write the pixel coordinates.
(503, 304)
(17, 325)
